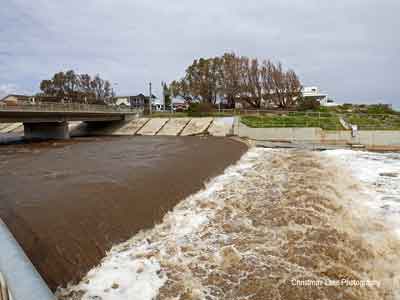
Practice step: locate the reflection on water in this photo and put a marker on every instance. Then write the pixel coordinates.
(67, 202)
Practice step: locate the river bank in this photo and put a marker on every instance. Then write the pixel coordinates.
(68, 202)
(280, 224)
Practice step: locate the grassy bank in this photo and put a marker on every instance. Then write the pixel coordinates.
(374, 122)
(325, 121)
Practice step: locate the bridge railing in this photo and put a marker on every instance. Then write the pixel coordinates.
(68, 107)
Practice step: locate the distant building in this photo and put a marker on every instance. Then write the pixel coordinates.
(122, 101)
(14, 99)
(138, 101)
(179, 103)
(315, 93)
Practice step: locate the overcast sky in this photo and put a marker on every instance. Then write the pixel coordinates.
(349, 48)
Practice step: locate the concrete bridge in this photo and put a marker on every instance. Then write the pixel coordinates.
(50, 120)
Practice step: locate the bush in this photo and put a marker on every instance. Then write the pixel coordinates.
(201, 109)
(379, 109)
(308, 104)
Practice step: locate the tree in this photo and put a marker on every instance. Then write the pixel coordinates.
(252, 90)
(166, 94)
(200, 82)
(230, 78)
(283, 88)
(72, 87)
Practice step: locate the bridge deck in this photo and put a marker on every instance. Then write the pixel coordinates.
(57, 112)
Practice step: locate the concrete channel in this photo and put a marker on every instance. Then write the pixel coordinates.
(20, 277)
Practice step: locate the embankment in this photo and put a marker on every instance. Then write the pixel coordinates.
(371, 139)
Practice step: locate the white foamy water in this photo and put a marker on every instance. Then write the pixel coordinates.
(130, 270)
(274, 217)
(379, 175)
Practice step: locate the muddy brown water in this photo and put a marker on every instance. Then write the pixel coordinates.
(68, 202)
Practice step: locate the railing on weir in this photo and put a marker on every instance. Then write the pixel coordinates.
(69, 107)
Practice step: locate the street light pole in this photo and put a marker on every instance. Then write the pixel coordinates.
(150, 96)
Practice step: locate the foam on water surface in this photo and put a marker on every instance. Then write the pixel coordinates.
(275, 218)
(379, 175)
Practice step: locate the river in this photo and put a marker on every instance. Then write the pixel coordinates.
(279, 224)
(68, 202)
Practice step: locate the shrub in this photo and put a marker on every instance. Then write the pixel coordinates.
(308, 104)
(379, 109)
(201, 109)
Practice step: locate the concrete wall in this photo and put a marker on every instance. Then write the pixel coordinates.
(372, 138)
(24, 282)
(221, 126)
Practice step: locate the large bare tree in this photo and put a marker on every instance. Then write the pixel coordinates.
(230, 71)
(231, 78)
(283, 88)
(72, 87)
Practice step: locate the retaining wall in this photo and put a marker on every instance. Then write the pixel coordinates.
(370, 138)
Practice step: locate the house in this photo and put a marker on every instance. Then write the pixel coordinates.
(313, 92)
(179, 103)
(122, 101)
(14, 99)
(138, 101)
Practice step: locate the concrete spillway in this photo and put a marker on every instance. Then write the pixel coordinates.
(137, 126)
(11, 127)
(197, 126)
(174, 126)
(131, 127)
(153, 126)
(221, 126)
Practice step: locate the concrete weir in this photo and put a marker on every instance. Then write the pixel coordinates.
(51, 130)
(197, 126)
(221, 126)
(153, 126)
(174, 126)
(10, 127)
(131, 127)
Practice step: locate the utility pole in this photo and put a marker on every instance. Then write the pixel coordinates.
(150, 98)
(163, 95)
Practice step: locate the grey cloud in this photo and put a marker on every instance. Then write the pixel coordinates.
(347, 47)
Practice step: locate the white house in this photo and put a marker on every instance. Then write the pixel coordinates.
(314, 92)
(122, 101)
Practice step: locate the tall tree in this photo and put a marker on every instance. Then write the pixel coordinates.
(284, 86)
(230, 78)
(252, 91)
(72, 87)
(166, 94)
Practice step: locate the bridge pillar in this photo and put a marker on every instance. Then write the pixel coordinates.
(50, 130)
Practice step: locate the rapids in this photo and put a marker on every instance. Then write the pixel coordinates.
(280, 224)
